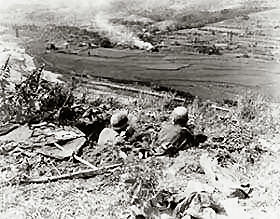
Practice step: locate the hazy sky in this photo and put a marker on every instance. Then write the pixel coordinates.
(81, 3)
(71, 3)
(77, 4)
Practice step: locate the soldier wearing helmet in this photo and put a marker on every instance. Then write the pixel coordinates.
(175, 135)
(118, 131)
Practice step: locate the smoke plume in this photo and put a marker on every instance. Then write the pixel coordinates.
(119, 33)
(100, 13)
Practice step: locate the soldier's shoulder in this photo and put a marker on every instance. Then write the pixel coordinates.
(167, 125)
(107, 132)
(107, 135)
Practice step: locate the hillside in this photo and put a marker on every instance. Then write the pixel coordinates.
(242, 144)
(65, 70)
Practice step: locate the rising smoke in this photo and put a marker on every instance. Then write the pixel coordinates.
(104, 11)
(119, 33)
(101, 12)
(156, 10)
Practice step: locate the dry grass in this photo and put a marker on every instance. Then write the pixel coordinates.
(110, 196)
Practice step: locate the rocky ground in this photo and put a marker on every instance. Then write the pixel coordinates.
(243, 141)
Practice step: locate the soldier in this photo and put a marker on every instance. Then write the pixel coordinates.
(119, 131)
(175, 135)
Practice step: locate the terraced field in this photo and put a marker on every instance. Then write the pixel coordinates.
(249, 60)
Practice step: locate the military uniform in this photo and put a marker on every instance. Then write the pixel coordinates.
(107, 136)
(119, 131)
(173, 138)
(175, 135)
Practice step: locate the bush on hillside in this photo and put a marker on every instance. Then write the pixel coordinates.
(35, 100)
(4, 87)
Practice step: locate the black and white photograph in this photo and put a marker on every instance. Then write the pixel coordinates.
(140, 109)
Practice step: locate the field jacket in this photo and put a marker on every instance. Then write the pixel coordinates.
(173, 138)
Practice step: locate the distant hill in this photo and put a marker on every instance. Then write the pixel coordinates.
(80, 12)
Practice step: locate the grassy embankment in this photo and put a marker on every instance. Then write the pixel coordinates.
(233, 141)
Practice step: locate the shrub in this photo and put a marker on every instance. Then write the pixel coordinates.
(251, 105)
(35, 99)
(4, 86)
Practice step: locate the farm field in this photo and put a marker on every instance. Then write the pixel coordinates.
(61, 84)
(250, 60)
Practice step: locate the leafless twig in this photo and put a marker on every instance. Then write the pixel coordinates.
(77, 174)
